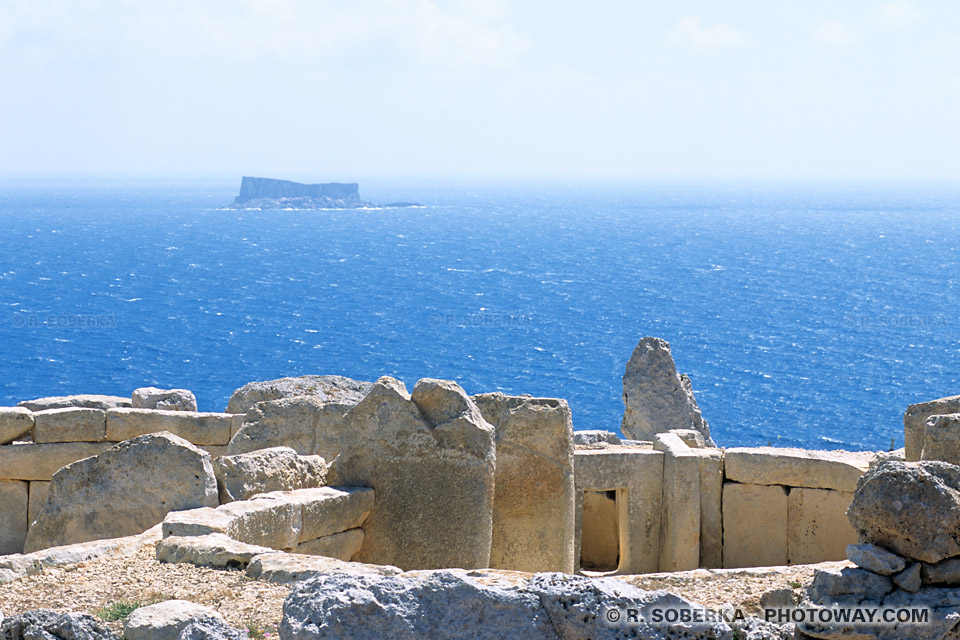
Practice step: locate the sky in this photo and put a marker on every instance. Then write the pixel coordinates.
(321, 90)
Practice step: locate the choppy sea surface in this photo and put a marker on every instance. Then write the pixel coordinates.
(804, 316)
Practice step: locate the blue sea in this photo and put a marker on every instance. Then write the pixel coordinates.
(805, 316)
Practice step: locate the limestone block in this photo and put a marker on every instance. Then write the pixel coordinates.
(69, 425)
(15, 422)
(343, 545)
(910, 578)
(289, 568)
(38, 498)
(600, 535)
(327, 389)
(942, 438)
(31, 461)
(163, 399)
(84, 400)
(236, 422)
(711, 514)
(196, 522)
(817, 526)
(434, 480)
(165, 620)
(211, 550)
(329, 510)
(14, 503)
(270, 520)
(245, 475)
(533, 504)
(835, 584)
(794, 467)
(754, 525)
(680, 523)
(123, 491)
(197, 428)
(876, 559)
(915, 420)
(637, 476)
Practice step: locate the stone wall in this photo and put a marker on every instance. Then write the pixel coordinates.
(54, 438)
(675, 504)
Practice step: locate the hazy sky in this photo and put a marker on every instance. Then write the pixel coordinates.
(315, 89)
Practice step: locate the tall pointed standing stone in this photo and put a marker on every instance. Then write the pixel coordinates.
(656, 398)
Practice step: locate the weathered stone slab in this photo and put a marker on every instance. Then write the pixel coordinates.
(163, 399)
(327, 389)
(84, 400)
(817, 526)
(835, 585)
(306, 424)
(711, 513)
(31, 461)
(243, 476)
(287, 568)
(794, 467)
(942, 438)
(38, 498)
(15, 422)
(70, 425)
(656, 398)
(211, 550)
(270, 520)
(14, 502)
(342, 546)
(101, 497)
(875, 559)
(754, 525)
(533, 504)
(329, 510)
(433, 474)
(680, 523)
(942, 574)
(165, 620)
(911, 508)
(636, 475)
(915, 420)
(196, 522)
(197, 428)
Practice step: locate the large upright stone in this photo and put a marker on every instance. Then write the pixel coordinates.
(123, 491)
(430, 457)
(911, 508)
(14, 504)
(656, 398)
(915, 420)
(243, 476)
(534, 501)
(328, 389)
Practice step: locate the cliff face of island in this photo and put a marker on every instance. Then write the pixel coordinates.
(267, 193)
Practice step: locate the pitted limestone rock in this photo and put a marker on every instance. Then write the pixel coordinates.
(164, 399)
(242, 476)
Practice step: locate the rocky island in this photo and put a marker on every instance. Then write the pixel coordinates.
(268, 193)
